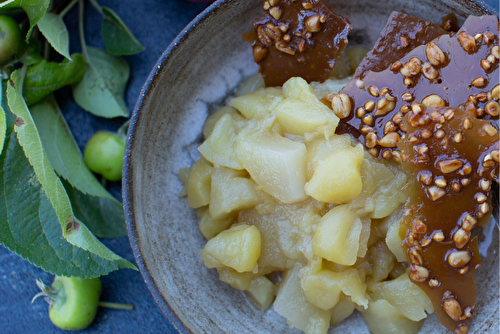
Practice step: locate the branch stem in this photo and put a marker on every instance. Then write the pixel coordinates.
(117, 306)
(67, 8)
(97, 6)
(82, 32)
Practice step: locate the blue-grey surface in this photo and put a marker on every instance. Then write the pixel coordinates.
(155, 23)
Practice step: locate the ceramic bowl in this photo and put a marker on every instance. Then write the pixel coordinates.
(194, 76)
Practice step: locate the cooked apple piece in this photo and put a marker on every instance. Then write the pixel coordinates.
(364, 238)
(298, 88)
(320, 148)
(259, 103)
(337, 236)
(261, 292)
(389, 196)
(239, 281)
(230, 191)
(199, 184)
(321, 289)
(291, 303)
(393, 238)
(277, 165)
(219, 146)
(404, 295)
(332, 86)
(318, 324)
(286, 228)
(250, 85)
(343, 309)
(324, 288)
(382, 189)
(209, 124)
(210, 227)
(271, 255)
(383, 318)
(298, 117)
(337, 179)
(382, 261)
(301, 112)
(184, 176)
(237, 248)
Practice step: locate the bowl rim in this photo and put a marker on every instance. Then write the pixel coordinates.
(127, 190)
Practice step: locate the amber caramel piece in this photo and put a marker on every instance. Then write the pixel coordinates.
(446, 71)
(401, 34)
(297, 38)
(449, 22)
(443, 212)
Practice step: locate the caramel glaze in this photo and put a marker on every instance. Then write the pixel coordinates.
(460, 70)
(295, 38)
(401, 34)
(454, 158)
(449, 22)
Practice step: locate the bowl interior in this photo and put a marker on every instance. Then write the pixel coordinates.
(195, 76)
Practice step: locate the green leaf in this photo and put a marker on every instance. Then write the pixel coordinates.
(73, 230)
(8, 5)
(3, 128)
(30, 53)
(35, 9)
(91, 202)
(6, 119)
(10, 117)
(117, 38)
(29, 224)
(56, 33)
(102, 215)
(45, 77)
(102, 89)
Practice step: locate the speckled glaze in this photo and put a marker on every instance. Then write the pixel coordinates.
(194, 76)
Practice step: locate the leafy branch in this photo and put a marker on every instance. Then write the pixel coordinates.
(52, 206)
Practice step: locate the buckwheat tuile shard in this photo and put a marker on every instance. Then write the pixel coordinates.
(297, 39)
(401, 34)
(459, 70)
(450, 172)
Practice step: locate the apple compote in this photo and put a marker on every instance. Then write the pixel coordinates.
(299, 217)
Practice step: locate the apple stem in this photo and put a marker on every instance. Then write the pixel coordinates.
(117, 306)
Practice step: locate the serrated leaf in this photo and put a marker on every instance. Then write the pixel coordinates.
(10, 117)
(3, 128)
(45, 77)
(117, 38)
(8, 5)
(73, 230)
(6, 120)
(91, 202)
(101, 91)
(56, 33)
(35, 9)
(102, 215)
(29, 224)
(30, 53)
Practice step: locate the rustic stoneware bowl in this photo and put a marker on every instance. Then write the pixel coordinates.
(193, 77)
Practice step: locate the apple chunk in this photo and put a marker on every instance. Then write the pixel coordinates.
(277, 165)
(237, 248)
(337, 178)
(337, 236)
